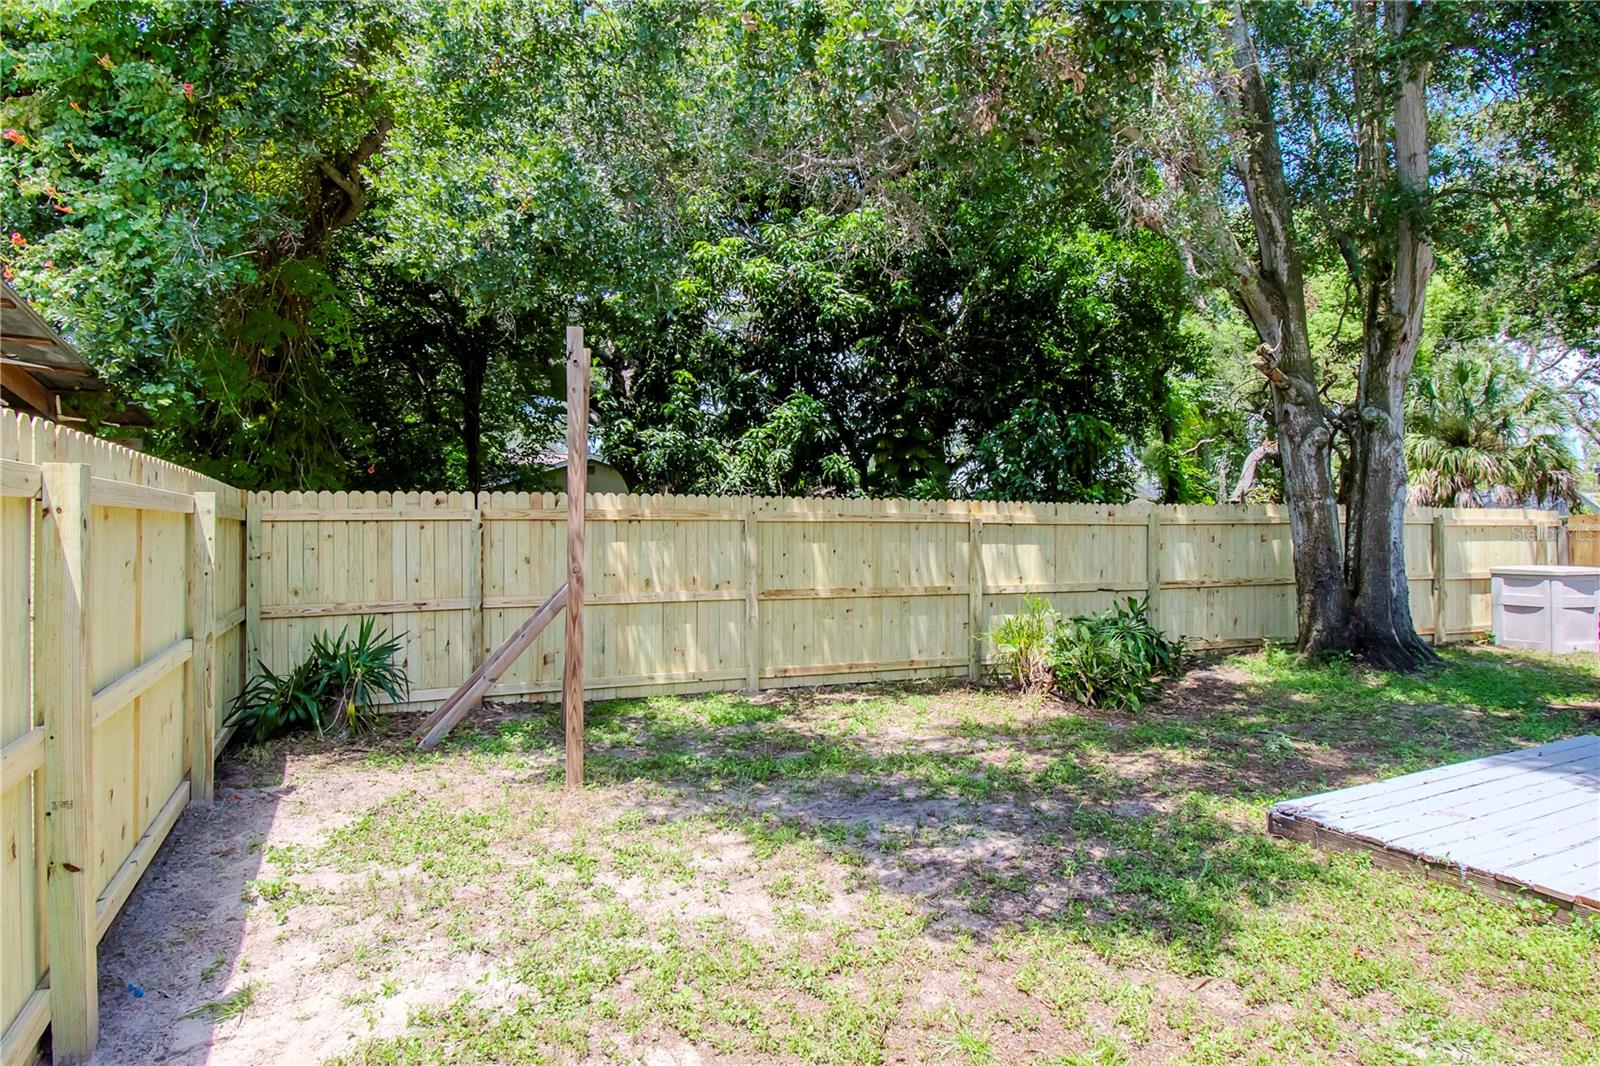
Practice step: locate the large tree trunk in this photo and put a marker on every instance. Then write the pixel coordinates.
(1384, 632)
(1272, 292)
(474, 369)
(1396, 286)
(1352, 590)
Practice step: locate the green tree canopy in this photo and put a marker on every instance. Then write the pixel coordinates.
(822, 247)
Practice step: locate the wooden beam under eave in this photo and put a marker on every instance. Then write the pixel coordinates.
(28, 341)
(23, 364)
(22, 385)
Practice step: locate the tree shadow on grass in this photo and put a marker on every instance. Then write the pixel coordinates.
(1112, 824)
(1362, 723)
(985, 828)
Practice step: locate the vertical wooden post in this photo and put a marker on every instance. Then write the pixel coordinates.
(202, 725)
(61, 664)
(577, 487)
(752, 604)
(975, 598)
(252, 584)
(1441, 575)
(1152, 562)
(475, 581)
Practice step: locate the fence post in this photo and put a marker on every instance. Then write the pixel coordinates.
(577, 489)
(202, 662)
(752, 604)
(61, 663)
(975, 597)
(252, 583)
(1441, 633)
(475, 583)
(1152, 562)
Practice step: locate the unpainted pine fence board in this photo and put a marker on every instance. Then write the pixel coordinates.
(61, 692)
(97, 712)
(23, 1008)
(201, 717)
(1583, 539)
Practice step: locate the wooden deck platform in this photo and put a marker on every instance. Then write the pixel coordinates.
(1512, 824)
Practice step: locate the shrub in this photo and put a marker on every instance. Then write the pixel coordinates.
(1113, 658)
(1023, 643)
(331, 690)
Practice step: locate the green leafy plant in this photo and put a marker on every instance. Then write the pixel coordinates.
(333, 689)
(271, 704)
(353, 672)
(1112, 658)
(1023, 644)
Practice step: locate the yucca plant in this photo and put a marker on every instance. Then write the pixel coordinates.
(353, 672)
(332, 689)
(271, 704)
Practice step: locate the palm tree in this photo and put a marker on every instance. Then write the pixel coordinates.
(1482, 432)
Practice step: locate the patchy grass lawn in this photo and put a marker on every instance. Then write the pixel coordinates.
(875, 875)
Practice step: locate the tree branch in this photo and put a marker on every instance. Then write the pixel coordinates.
(347, 179)
(1247, 475)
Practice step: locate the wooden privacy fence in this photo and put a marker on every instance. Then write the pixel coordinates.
(694, 594)
(121, 622)
(1583, 540)
(133, 591)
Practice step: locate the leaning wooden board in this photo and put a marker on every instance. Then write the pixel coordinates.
(1511, 824)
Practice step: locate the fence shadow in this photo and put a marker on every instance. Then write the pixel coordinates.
(172, 975)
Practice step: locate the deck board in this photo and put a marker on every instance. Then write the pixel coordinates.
(1514, 823)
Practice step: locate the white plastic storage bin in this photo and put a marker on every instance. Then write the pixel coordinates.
(1547, 608)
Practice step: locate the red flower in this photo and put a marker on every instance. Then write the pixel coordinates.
(373, 468)
(18, 239)
(188, 89)
(15, 137)
(7, 273)
(63, 208)
(105, 61)
(49, 264)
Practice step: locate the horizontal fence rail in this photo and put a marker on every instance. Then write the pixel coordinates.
(693, 594)
(122, 580)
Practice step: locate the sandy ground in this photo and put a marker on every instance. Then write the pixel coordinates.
(189, 938)
(221, 957)
(198, 934)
